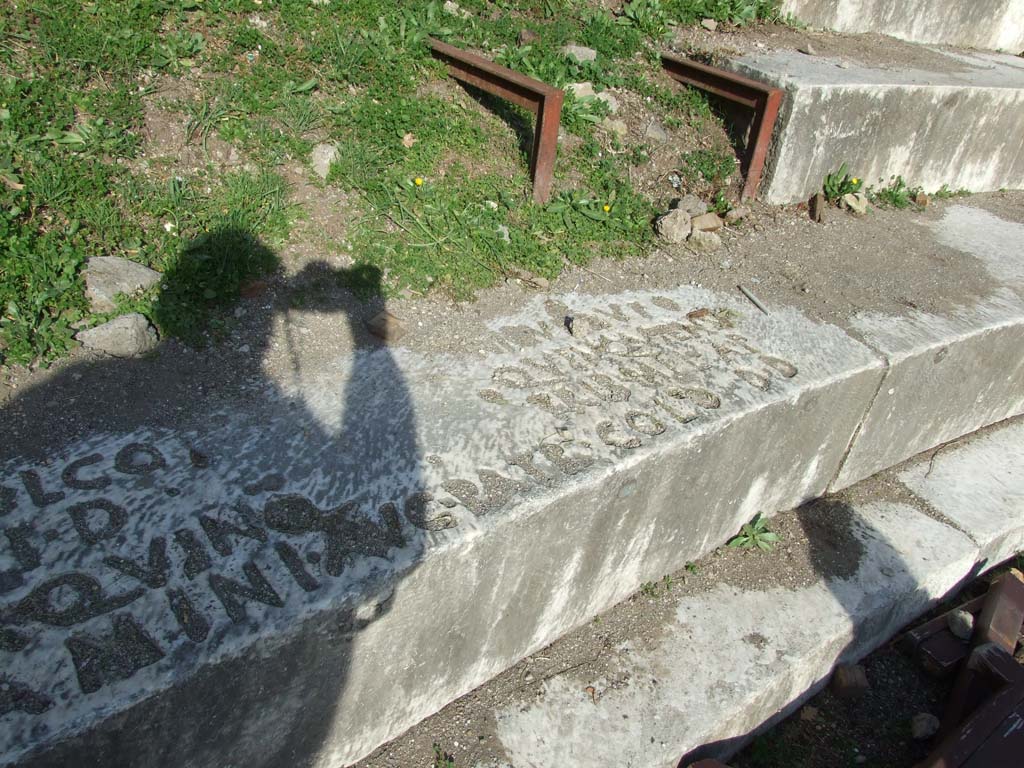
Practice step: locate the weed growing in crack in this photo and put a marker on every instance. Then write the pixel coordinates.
(755, 534)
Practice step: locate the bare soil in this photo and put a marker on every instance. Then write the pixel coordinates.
(885, 262)
(870, 50)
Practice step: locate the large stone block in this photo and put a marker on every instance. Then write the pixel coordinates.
(302, 574)
(948, 376)
(980, 487)
(730, 659)
(956, 124)
(992, 24)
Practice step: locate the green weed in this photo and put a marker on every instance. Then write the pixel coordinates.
(897, 194)
(755, 534)
(648, 16)
(840, 182)
(649, 589)
(441, 758)
(730, 11)
(945, 193)
(707, 165)
(74, 90)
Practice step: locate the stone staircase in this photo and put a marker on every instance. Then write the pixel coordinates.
(937, 115)
(996, 25)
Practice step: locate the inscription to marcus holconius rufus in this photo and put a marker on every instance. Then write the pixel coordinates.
(139, 553)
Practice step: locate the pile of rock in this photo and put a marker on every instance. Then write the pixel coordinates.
(128, 335)
(690, 222)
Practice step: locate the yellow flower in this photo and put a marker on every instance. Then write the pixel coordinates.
(418, 181)
(607, 208)
(855, 180)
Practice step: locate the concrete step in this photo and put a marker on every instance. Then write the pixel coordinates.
(996, 25)
(299, 568)
(938, 118)
(731, 661)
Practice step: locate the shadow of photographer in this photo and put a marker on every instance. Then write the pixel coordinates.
(198, 537)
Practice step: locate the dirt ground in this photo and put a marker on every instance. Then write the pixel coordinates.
(829, 271)
(873, 730)
(870, 50)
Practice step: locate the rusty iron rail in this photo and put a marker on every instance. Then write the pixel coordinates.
(763, 99)
(541, 99)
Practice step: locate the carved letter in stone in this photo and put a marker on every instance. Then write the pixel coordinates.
(195, 625)
(418, 512)
(197, 559)
(616, 438)
(220, 531)
(24, 552)
(496, 491)
(90, 533)
(70, 598)
(36, 492)
(232, 594)
(346, 533)
(100, 660)
(295, 566)
(608, 389)
(568, 466)
(139, 459)
(71, 478)
(644, 423)
(525, 462)
(8, 499)
(18, 697)
(153, 573)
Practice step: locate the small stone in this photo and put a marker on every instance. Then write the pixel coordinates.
(674, 226)
(692, 204)
(386, 326)
(923, 726)
(530, 278)
(609, 100)
(580, 326)
(856, 203)
(503, 233)
(961, 624)
(816, 207)
(322, 157)
(107, 276)
(579, 52)
(708, 222)
(618, 127)
(454, 9)
(702, 240)
(809, 714)
(922, 199)
(850, 681)
(709, 24)
(526, 37)
(582, 90)
(129, 335)
(656, 132)
(808, 50)
(738, 213)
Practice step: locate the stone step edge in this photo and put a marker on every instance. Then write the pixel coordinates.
(933, 558)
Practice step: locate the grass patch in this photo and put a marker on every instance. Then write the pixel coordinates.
(273, 79)
(897, 194)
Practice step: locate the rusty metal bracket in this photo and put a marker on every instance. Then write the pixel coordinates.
(763, 99)
(541, 99)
